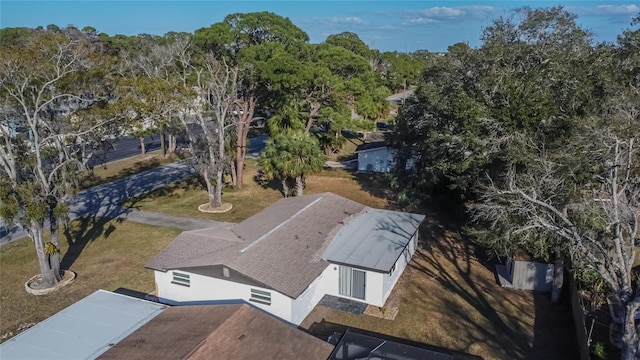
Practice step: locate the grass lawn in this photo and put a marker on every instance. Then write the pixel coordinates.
(183, 198)
(449, 298)
(104, 254)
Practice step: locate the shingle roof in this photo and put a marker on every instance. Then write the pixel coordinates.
(281, 247)
(218, 332)
(290, 258)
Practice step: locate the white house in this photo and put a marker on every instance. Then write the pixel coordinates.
(287, 257)
(377, 157)
(374, 157)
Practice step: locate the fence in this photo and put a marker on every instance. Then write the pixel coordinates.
(577, 310)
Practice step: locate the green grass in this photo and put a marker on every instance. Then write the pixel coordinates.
(183, 198)
(447, 296)
(104, 254)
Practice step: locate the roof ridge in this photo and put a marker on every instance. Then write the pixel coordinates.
(265, 235)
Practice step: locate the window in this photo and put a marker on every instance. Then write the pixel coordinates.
(260, 296)
(225, 271)
(352, 282)
(181, 279)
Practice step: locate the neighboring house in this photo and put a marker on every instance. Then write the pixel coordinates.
(287, 257)
(374, 157)
(84, 330)
(377, 157)
(218, 332)
(400, 98)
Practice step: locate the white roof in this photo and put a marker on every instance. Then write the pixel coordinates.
(84, 330)
(373, 240)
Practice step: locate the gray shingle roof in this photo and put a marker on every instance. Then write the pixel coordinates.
(281, 247)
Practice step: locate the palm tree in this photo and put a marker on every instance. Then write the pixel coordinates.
(291, 155)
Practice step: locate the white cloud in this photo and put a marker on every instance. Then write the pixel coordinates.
(419, 21)
(606, 10)
(443, 13)
(440, 12)
(346, 20)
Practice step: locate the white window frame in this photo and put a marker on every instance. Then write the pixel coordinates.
(182, 279)
(260, 296)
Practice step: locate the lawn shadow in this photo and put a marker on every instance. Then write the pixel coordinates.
(81, 233)
(169, 191)
(377, 185)
(448, 257)
(554, 336)
(273, 184)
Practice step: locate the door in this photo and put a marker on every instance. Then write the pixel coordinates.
(352, 282)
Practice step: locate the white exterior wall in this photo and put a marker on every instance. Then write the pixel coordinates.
(380, 160)
(326, 283)
(390, 281)
(205, 289)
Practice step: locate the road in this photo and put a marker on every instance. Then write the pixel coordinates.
(105, 200)
(128, 146)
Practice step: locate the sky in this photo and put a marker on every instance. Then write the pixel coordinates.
(402, 26)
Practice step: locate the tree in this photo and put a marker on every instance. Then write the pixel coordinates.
(244, 41)
(44, 84)
(585, 209)
(532, 78)
(291, 155)
(150, 86)
(209, 90)
(350, 41)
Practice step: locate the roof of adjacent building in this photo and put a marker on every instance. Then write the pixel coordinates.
(83, 330)
(280, 247)
(373, 240)
(370, 146)
(218, 332)
(353, 346)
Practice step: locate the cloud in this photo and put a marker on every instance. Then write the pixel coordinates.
(354, 20)
(606, 10)
(443, 13)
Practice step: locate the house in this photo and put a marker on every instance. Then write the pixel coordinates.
(84, 330)
(202, 332)
(376, 156)
(285, 258)
(400, 98)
